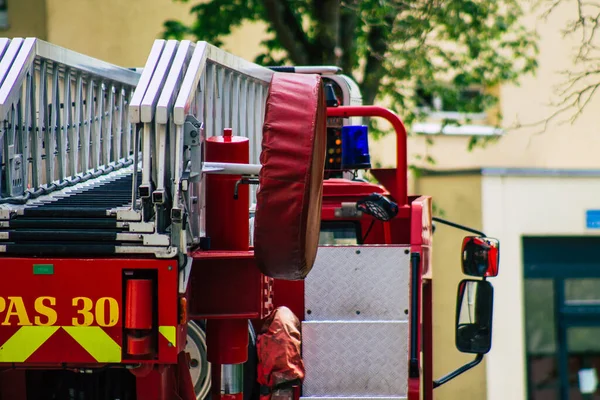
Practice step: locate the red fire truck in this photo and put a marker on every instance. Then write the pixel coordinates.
(201, 227)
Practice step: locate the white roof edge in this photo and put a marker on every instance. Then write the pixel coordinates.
(435, 128)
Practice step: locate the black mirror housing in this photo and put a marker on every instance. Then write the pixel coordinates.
(474, 312)
(480, 256)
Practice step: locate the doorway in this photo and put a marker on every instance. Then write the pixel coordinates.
(562, 317)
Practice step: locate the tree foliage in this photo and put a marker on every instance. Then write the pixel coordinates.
(390, 47)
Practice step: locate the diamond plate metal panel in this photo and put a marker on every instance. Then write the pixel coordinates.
(358, 283)
(355, 359)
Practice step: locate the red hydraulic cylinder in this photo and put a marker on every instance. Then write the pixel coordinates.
(138, 316)
(228, 227)
(139, 304)
(227, 341)
(227, 218)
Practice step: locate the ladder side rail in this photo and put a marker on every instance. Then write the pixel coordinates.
(19, 52)
(152, 132)
(202, 53)
(142, 86)
(172, 140)
(134, 112)
(189, 196)
(63, 57)
(8, 50)
(57, 105)
(163, 120)
(255, 156)
(86, 64)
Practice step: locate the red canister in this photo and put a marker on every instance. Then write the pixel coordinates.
(227, 218)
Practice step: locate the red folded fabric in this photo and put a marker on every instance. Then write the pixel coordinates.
(279, 347)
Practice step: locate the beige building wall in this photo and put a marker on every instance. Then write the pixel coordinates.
(26, 18)
(460, 198)
(117, 31)
(513, 207)
(506, 206)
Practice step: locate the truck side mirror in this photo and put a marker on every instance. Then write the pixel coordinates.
(480, 256)
(474, 310)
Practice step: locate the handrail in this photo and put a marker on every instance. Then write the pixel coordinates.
(31, 49)
(401, 194)
(147, 73)
(191, 81)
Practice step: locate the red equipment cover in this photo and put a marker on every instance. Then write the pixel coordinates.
(288, 211)
(279, 350)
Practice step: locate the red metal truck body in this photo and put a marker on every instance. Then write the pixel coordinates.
(107, 315)
(73, 312)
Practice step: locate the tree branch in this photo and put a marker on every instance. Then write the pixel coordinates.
(377, 42)
(289, 31)
(327, 16)
(577, 90)
(347, 39)
(574, 100)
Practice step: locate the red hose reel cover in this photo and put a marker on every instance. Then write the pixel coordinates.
(288, 210)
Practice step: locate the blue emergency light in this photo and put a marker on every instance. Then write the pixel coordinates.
(355, 147)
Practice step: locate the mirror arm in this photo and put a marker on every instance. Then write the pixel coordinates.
(458, 371)
(462, 227)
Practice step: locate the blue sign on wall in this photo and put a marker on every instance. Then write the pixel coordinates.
(592, 219)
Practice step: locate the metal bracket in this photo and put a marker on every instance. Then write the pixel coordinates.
(184, 182)
(158, 197)
(246, 180)
(458, 226)
(193, 137)
(156, 240)
(348, 210)
(158, 251)
(166, 252)
(457, 372)
(177, 214)
(141, 227)
(192, 131)
(184, 275)
(145, 191)
(127, 215)
(6, 214)
(17, 175)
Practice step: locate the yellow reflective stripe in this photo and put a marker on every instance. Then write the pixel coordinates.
(25, 342)
(97, 342)
(170, 333)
